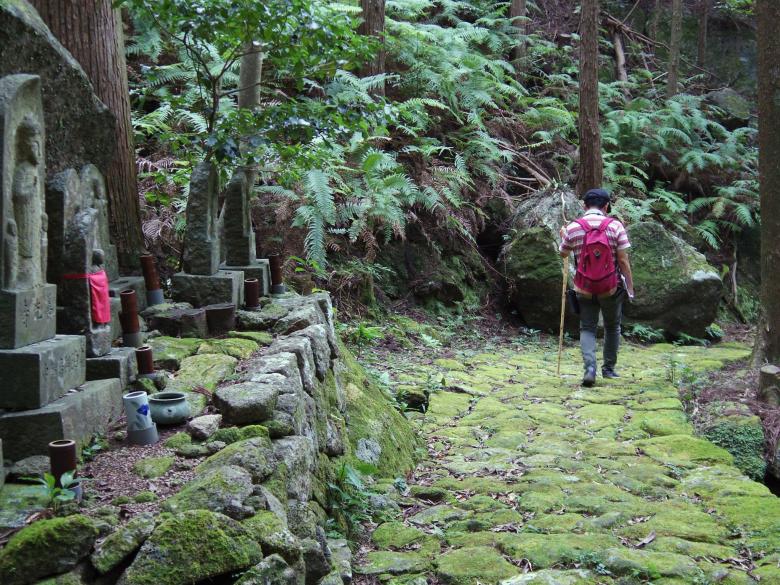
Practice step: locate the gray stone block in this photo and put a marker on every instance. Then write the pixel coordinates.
(259, 269)
(119, 363)
(27, 316)
(135, 283)
(39, 373)
(225, 286)
(78, 416)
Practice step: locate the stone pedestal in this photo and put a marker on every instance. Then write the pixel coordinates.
(27, 316)
(260, 270)
(77, 416)
(226, 286)
(118, 363)
(36, 374)
(135, 283)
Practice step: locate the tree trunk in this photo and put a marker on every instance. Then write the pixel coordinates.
(672, 81)
(591, 165)
(92, 31)
(768, 338)
(517, 15)
(655, 21)
(620, 60)
(249, 81)
(374, 25)
(704, 19)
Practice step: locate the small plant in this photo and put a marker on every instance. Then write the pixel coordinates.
(685, 339)
(364, 335)
(644, 333)
(57, 495)
(98, 444)
(350, 498)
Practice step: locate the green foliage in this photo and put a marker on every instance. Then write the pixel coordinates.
(350, 498)
(57, 495)
(644, 333)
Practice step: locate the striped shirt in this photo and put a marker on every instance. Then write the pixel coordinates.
(574, 236)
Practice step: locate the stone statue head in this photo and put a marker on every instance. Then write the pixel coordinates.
(29, 141)
(98, 257)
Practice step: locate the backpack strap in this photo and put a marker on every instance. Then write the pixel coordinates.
(584, 224)
(605, 223)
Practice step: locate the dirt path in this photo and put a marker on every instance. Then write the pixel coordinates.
(532, 479)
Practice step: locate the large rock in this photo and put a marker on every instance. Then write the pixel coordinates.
(249, 402)
(47, 547)
(272, 570)
(734, 110)
(676, 290)
(531, 260)
(122, 543)
(191, 547)
(79, 127)
(223, 489)
(253, 455)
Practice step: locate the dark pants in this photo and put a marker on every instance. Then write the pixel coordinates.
(611, 309)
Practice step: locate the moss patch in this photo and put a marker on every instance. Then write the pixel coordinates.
(153, 467)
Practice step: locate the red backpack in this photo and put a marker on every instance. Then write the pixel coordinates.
(596, 269)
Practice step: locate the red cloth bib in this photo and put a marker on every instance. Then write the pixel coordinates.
(98, 295)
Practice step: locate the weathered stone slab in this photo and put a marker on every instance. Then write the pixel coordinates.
(249, 402)
(36, 374)
(259, 269)
(78, 416)
(201, 240)
(119, 363)
(180, 322)
(301, 348)
(135, 283)
(238, 234)
(27, 316)
(200, 290)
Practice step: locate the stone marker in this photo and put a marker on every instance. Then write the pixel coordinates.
(769, 385)
(27, 303)
(239, 237)
(40, 371)
(202, 282)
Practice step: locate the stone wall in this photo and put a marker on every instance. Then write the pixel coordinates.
(289, 407)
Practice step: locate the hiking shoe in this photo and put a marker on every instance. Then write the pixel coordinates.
(609, 373)
(589, 379)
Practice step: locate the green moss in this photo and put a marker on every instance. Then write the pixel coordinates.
(272, 534)
(372, 416)
(466, 566)
(46, 547)
(178, 440)
(743, 437)
(233, 434)
(236, 347)
(191, 547)
(396, 535)
(144, 497)
(650, 565)
(684, 450)
(170, 351)
(120, 544)
(153, 467)
(202, 371)
(548, 550)
(259, 337)
(392, 563)
(121, 500)
(222, 489)
(18, 501)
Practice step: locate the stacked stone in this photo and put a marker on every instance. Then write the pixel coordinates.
(40, 368)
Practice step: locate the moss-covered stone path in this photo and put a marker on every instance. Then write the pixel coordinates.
(532, 479)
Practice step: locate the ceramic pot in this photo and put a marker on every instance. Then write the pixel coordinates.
(169, 408)
(137, 411)
(145, 360)
(251, 293)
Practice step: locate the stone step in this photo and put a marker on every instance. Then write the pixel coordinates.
(77, 415)
(37, 374)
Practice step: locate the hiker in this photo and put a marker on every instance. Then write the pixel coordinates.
(603, 279)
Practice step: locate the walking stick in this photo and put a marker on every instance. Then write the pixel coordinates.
(563, 310)
(563, 287)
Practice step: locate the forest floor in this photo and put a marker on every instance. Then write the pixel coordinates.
(531, 477)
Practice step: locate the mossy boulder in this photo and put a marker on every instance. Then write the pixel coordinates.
(530, 257)
(191, 547)
(178, 440)
(153, 467)
(392, 563)
(253, 455)
(223, 489)
(262, 338)
(46, 547)
(202, 371)
(272, 570)
(232, 434)
(236, 347)
(734, 110)
(677, 291)
(120, 544)
(169, 352)
(273, 535)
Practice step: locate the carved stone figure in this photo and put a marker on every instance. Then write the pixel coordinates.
(27, 303)
(201, 243)
(93, 191)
